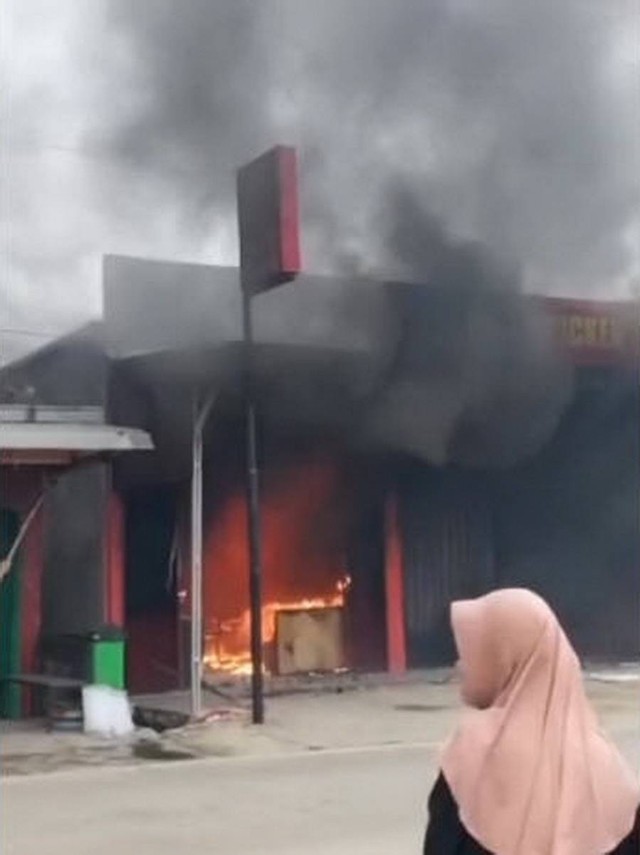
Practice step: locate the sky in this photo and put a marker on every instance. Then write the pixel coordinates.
(512, 125)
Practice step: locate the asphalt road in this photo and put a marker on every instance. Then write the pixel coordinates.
(362, 802)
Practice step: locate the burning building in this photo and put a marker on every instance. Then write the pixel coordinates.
(416, 445)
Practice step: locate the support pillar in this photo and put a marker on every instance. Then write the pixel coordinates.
(394, 579)
(201, 411)
(116, 561)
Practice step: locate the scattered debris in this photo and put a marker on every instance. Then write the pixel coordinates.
(229, 714)
(159, 720)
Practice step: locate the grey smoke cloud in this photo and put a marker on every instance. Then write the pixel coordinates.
(510, 121)
(513, 125)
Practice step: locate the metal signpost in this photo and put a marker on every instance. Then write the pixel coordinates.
(269, 256)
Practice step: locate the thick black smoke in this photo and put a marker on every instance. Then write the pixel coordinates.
(475, 377)
(509, 120)
(435, 139)
(202, 74)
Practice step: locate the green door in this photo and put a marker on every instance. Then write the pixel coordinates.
(10, 619)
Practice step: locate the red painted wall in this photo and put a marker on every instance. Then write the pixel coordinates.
(115, 561)
(20, 488)
(32, 570)
(394, 574)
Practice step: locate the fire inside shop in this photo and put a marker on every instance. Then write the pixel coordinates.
(305, 575)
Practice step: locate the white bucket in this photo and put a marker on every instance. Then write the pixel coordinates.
(106, 711)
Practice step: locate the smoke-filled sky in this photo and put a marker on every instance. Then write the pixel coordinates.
(513, 124)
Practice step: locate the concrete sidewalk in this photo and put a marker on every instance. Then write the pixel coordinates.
(420, 711)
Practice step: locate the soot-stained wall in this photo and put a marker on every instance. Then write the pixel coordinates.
(74, 587)
(567, 522)
(448, 552)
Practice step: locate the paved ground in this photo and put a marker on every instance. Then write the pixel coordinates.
(329, 775)
(367, 802)
(414, 712)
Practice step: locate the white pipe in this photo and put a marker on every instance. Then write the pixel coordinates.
(200, 417)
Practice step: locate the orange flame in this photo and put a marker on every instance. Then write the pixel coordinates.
(303, 561)
(219, 646)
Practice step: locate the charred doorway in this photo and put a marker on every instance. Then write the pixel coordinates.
(323, 547)
(151, 597)
(567, 520)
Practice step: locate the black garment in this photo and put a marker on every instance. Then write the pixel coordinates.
(447, 836)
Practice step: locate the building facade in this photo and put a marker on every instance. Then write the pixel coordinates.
(367, 535)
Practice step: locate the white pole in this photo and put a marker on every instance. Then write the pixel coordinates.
(200, 416)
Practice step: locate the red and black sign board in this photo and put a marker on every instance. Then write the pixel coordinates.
(268, 220)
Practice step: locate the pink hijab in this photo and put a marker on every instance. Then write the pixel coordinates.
(529, 769)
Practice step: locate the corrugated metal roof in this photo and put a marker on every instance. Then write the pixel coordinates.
(80, 438)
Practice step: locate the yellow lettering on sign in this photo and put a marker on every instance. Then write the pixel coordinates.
(585, 331)
(575, 330)
(606, 331)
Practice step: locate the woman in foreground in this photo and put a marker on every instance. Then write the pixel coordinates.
(528, 772)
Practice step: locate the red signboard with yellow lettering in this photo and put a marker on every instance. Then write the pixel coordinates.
(595, 333)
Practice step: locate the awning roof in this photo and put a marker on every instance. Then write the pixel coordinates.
(57, 444)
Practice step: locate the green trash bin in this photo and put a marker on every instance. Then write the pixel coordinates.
(107, 657)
